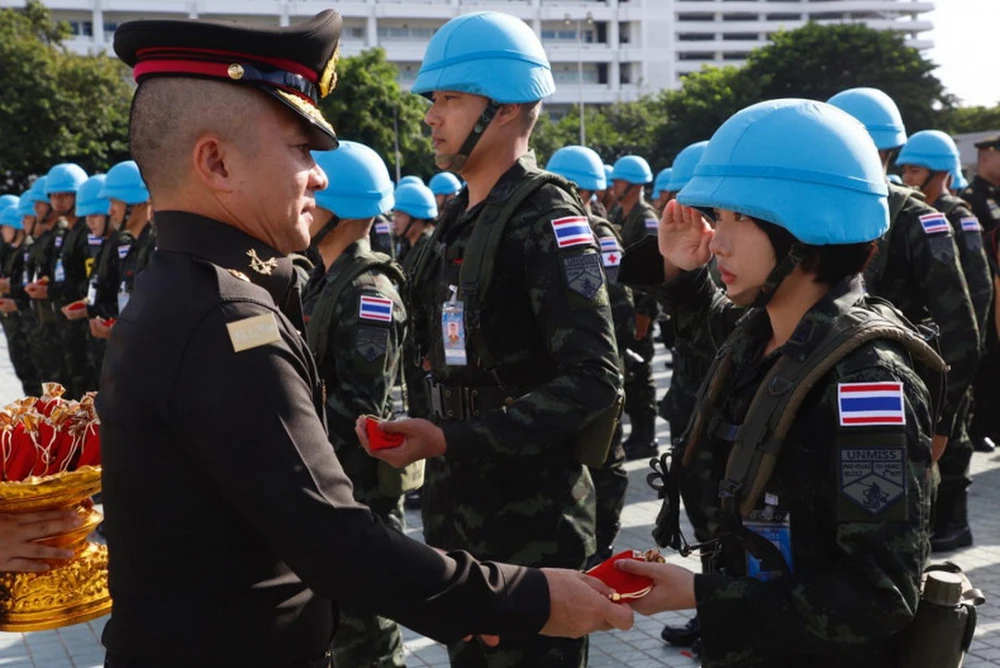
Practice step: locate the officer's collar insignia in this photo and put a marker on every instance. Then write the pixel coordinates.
(239, 274)
(328, 78)
(264, 267)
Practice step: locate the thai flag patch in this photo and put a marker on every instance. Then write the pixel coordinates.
(651, 224)
(572, 231)
(382, 228)
(611, 252)
(870, 404)
(934, 223)
(971, 224)
(376, 308)
(123, 251)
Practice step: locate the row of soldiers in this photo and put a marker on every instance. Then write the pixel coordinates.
(73, 246)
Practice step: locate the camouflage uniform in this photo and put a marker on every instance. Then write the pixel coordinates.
(45, 340)
(640, 390)
(984, 198)
(381, 238)
(18, 324)
(69, 284)
(102, 292)
(133, 256)
(361, 358)
(921, 274)
(855, 566)
(518, 493)
(611, 480)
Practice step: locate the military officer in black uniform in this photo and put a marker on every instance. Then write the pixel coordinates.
(225, 505)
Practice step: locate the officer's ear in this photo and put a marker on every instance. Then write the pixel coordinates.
(210, 159)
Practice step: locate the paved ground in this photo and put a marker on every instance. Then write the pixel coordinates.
(79, 646)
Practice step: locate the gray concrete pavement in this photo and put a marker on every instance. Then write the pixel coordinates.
(79, 646)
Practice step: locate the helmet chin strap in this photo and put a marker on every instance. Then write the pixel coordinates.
(456, 161)
(325, 230)
(795, 257)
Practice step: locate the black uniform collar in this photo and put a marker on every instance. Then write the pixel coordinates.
(226, 247)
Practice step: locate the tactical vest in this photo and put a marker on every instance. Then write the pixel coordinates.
(328, 304)
(476, 277)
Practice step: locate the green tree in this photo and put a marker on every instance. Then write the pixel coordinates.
(363, 105)
(970, 119)
(56, 106)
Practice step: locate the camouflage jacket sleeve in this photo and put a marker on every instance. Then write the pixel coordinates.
(934, 263)
(567, 295)
(857, 552)
(978, 275)
(365, 353)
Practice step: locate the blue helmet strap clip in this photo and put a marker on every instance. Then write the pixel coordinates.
(796, 255)
(459, 159)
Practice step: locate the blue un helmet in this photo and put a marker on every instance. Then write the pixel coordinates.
(11, 215)
(416, 200)
(25, 204)
(931, 149)
(360, 186)
(608, 171)
(66, 177)
(445, 183)
(88, 198)
(684, 166)
(798, 164)
(877, 112)
(410, 179)
(581, 165)
(958, 180)
(632, 169)
(490, 54)
(661, 181)
(8, 200)
(124, 183)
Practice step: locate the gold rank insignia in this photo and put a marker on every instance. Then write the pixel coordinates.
(258, 330)
(261, 266)
(239, 274)
(328, 79)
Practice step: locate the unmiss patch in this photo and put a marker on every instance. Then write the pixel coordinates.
(872, 482)
(583, 274)
(372, 343)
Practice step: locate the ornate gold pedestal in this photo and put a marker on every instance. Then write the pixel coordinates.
(71, 593)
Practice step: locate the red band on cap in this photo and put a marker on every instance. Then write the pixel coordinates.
(200, 68)
(227, 57)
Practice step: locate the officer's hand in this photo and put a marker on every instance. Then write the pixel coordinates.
(4, 286)
(580, 604)
(642, 323)
(18, 552)
(683, 236)
(938, 445)
(99, 329)
(422, 440)
(74, 313)
(37, 290)
(673, 586)
(7, 305)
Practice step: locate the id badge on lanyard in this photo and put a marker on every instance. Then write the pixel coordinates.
(60, 272)
(92, 293)
(776, 526)
(123, 297)
(453, 330)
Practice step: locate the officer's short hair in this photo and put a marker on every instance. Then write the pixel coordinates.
(169, 114)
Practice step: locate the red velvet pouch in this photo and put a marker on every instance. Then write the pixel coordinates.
(378, 439)
(90, 446)
(627, 585)
(19, 453)
(51, 397)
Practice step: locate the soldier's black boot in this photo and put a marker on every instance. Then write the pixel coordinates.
(983, 444)
(953, 531)
(682, 636)
(641, 443)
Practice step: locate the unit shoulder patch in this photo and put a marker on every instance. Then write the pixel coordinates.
(372, 343)
(872, 479)
(870, 404)
(572, 231)
(583, 274)
(253, 332)
(611, 252)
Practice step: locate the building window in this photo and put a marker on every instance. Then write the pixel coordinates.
(739, 17)
(740, 36)
(784, 16)
(567, 35)
(405, 32)
(110, 27)
(696, 17)
(696, 37)
(355, 32)
(736, 55)
(81, 28)
(696, 55)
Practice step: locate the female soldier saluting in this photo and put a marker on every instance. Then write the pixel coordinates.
(812, 436)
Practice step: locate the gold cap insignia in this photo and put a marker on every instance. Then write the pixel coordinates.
(328, 79)
(236, 71)
(261, 266)
(314, 114)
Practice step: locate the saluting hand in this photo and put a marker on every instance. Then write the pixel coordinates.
(422, 440)
(683, 236)
(580, 604)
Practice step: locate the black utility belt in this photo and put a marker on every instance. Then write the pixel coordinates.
(462, 402)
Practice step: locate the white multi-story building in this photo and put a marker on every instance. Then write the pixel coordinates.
(602, 51)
